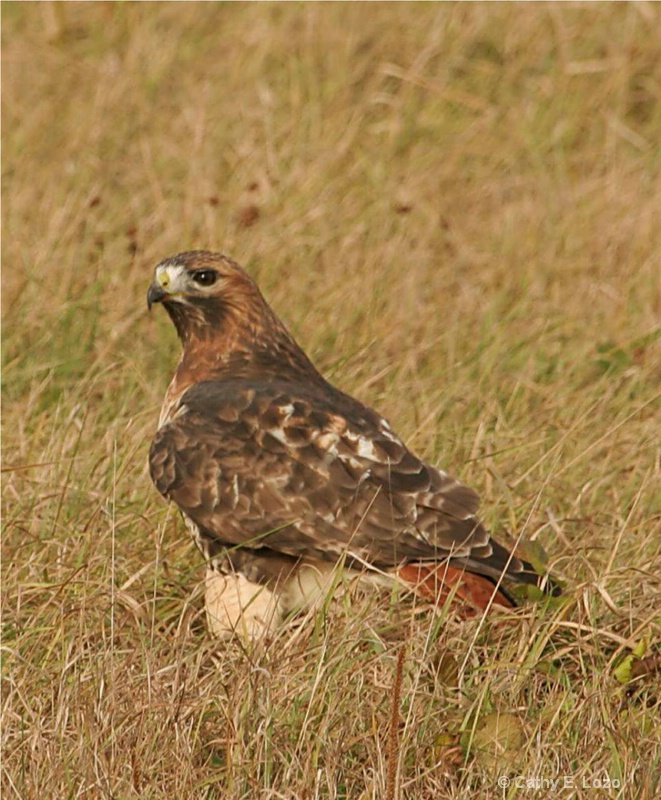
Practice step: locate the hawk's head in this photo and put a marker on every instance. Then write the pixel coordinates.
(201, 290)
(221, 316)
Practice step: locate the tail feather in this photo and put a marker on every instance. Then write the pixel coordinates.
(471, 593)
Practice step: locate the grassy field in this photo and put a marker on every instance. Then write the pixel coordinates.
(456, 209)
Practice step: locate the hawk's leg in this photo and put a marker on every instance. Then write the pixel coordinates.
(249, 592)
(237, 606)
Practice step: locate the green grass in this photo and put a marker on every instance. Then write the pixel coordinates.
(458, 217)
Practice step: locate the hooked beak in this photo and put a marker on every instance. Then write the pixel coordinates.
(156, 294)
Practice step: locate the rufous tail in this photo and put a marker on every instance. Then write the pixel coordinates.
(471, 594)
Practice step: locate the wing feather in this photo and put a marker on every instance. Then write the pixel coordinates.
(308, 471)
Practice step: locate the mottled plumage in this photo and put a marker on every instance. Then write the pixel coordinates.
(280, 476)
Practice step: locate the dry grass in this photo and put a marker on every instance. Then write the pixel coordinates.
(456, 209)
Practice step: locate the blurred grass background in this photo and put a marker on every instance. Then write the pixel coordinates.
(455, 208)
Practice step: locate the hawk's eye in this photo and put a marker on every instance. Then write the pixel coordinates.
(205, 277)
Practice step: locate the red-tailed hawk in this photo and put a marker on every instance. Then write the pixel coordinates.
(281, 477)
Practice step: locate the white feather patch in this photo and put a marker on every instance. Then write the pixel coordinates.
(279, 434)
(287, 410)
(235, 605)
(364, 446)
(328, 442)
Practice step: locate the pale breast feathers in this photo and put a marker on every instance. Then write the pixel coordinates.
(308, 471)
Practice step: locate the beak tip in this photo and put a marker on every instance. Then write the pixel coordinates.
(155, 295)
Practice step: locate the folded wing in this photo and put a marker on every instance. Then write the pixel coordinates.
(309, 472)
